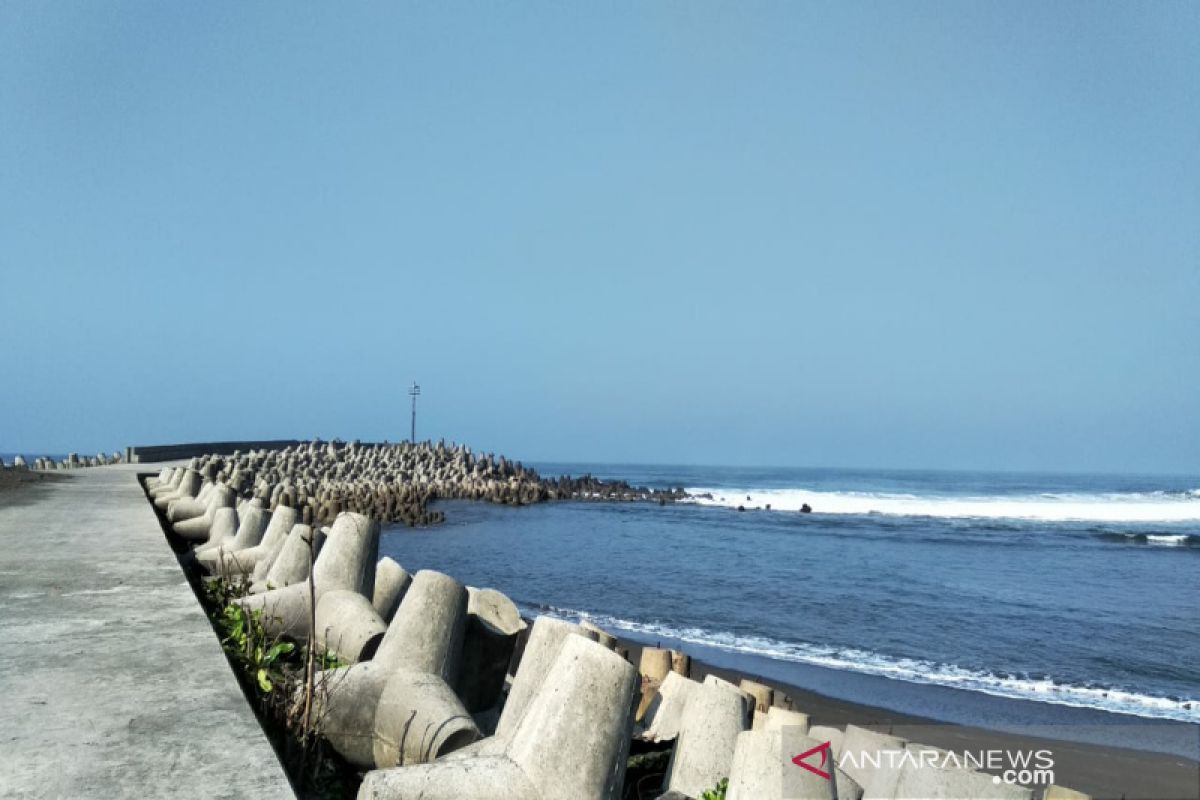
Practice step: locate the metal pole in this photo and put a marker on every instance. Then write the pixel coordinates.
(413, 392)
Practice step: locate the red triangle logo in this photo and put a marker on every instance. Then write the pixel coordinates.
(823, 749)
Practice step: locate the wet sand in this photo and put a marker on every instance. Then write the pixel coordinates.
(1102, 772)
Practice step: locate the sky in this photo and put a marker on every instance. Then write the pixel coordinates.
(927, 235)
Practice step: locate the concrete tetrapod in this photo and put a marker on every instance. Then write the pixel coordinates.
(188, 486)
(173, 482)
(162, 477)
(294, 562)
(493, 624)
(197, 528)
(545, 640)
(171, 485)
(762, 770)
(252, 523)
(418, 716)
(348, 625)
(571, 742)
(391, 582)
(653, 666)
(541, 648)
(826, 733)
(780, 718)
(885, 779)
(257, 560)
(181, 508)
(865, 753)
(927, 783)
(747, 698)
(346, 561)
(764, 696)
(665, 712)
(168, 479)
(713, 717)
(424, 638)
(600, 635)
(185, 507)
(756, 772)
(880, 783)
(222, 531)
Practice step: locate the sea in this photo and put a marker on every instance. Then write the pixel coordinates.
(1004, 600)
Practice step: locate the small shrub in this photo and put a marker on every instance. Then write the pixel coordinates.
(717, 793)
(287, 681)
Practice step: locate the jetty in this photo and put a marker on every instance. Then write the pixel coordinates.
(114, 683)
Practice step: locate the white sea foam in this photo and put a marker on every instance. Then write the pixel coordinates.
(1168, 540)
(910, 670)
(1117, 507)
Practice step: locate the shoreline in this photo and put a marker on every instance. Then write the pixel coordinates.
(1102, 771)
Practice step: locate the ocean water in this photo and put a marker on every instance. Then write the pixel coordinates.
(996, 599)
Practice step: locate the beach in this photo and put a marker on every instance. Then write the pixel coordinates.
(1102, 772)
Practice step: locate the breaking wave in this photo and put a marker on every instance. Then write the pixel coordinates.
(1043, 690)
(1188, 540)
(1134, 507)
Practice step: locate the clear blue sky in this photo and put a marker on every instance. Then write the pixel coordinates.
(891, 234)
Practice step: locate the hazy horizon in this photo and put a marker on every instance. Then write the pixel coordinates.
(541, 464)
(933, 236)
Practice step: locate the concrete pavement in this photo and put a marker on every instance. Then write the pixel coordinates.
(112, 682)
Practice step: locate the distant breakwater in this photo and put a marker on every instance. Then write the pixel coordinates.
(395, 483)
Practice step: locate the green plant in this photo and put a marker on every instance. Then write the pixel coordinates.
(327, 660)
(290, 681)
(246, 641)
(264, 663)
(223, 590)
(717, 793)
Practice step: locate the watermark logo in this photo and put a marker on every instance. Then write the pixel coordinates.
(911, 762)
(823, 749)
(1026, 767)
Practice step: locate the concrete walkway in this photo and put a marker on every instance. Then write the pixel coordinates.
(112, 682)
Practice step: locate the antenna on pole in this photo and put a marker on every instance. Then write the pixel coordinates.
(414, 392)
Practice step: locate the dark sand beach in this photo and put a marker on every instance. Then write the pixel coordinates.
(1102, 772)
(22, 485)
